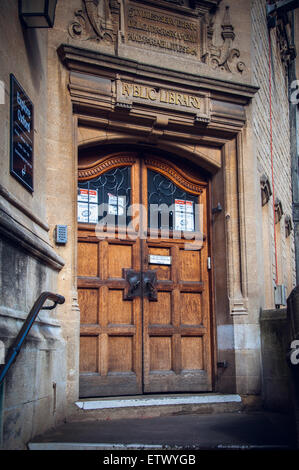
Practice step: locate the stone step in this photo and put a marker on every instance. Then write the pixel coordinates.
(149, 406)
(145, 447)
(236, 430)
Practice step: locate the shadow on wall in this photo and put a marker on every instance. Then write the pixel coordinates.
(32, 39)
(279, 328)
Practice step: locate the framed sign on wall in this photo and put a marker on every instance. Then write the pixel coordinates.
(21, 135)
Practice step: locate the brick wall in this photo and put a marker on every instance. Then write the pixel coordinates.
(281, 137)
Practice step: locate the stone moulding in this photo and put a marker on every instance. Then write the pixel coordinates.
(93, 98)
(19, 205)
(236, 233)
(28, 241)
(42, 319)
(82, 60)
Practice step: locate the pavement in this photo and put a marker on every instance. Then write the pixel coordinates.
(237, 430)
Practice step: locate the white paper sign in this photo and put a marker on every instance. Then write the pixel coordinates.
(159, 259)
(184, 215)
(84, 193)
(116, 204)
(87, 213)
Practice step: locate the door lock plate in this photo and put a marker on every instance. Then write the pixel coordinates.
(140, 283)
(150, 285)
(133, 287)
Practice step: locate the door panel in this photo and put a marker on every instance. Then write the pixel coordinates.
(176, 330)
(145, 344)
(110, 353)
(111, 327)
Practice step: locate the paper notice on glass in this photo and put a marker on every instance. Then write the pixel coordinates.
(85, 195)
(82, 212)
(116, 204)
(189, 216)
(93, 213)
(189, 206)
(121, 205)
(112, 204)
(184, 215)
(189, 222)
(87, 213)
(112, 210)
(180, 215)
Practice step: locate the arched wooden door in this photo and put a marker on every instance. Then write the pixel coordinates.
(143, 280)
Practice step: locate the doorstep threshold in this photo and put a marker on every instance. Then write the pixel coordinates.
(161, 400)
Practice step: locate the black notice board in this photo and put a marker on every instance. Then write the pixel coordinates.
(21, 134)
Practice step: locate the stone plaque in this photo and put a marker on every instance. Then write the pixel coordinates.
(162, 31)
(197, 104)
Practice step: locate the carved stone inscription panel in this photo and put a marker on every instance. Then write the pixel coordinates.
(176, 100)
(185, 32)
(162, 30)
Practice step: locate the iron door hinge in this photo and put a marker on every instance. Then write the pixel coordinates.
(209, 263)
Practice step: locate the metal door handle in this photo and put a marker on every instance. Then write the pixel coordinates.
(150, 279)
(133, 287)
(150, 286)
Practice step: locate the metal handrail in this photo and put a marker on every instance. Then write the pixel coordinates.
(17, 344)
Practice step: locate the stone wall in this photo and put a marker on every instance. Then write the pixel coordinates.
(34, 389)
(276, 375)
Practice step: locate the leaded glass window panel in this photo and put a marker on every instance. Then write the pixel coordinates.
(106, 196)
(170, 207)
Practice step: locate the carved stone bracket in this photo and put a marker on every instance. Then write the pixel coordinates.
(223, 57)
(278, 210)
(94, 21)
(288, 225)
(266, 191)
(285, 44)
(281, 20)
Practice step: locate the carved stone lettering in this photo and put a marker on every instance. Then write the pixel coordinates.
(129, 93)
(162, 30)
(182, 31)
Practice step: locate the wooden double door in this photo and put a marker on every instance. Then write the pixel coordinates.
(143, 278)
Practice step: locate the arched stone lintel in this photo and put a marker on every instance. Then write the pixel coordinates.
(208, 158)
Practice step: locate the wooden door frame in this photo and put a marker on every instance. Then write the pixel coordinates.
(117, 159)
